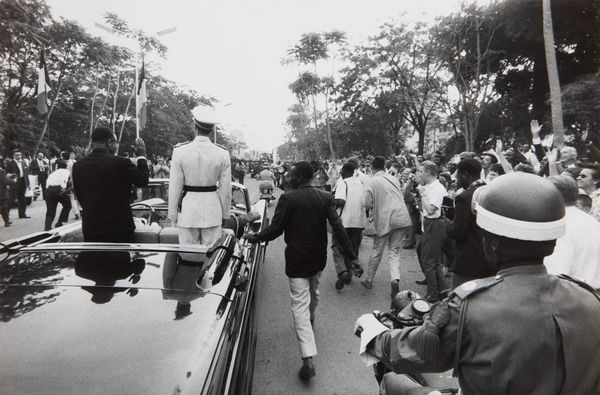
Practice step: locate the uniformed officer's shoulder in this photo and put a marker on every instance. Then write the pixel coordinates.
(581, 283)
(222, 147)
(183, 143)
(473, 287)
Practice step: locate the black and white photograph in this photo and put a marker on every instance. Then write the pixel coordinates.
(300, 197)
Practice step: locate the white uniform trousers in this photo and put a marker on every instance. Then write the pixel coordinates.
(304, 293)
(205, 236)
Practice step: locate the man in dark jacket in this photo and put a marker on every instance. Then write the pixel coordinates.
(4, 205)
(19, 171)
(469, 259)
(302, 214)
(102, 183)
(39, 167)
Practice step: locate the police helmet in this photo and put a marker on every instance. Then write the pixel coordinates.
(521, 206)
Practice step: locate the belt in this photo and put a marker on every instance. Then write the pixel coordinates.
(433, 219)
(191, 188)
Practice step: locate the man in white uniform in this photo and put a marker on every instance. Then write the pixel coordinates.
(200, 183)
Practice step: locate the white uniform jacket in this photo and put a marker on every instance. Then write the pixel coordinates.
(200, 163)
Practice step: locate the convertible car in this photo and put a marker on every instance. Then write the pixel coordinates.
(150, 317)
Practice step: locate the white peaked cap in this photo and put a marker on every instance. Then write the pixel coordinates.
(206, 114)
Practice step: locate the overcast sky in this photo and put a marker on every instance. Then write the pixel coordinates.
(233, 49)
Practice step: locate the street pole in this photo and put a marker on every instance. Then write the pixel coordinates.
(137, 105)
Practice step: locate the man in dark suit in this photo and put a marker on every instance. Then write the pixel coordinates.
(4, 183)
(17, 168)
(39, 167)
(469, 258)
(302, 214)
(102, 183)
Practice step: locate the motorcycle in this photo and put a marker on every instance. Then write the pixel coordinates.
(408, 309)
(266, 191)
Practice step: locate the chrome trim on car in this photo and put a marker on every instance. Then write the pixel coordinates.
(64, 246)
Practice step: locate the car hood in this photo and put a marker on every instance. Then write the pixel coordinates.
(67, 329)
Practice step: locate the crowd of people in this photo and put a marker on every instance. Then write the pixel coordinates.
(405, 201)
(406, 198)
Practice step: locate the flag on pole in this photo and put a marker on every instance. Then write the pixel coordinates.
(42, 87)
(141, 97)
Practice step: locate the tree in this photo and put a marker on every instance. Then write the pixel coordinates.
(312, 48)
(521, 74)
(464, 45)
(21, 27)
(411, 66)
(77, 64)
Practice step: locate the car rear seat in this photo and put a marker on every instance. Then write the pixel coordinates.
(71, 233)
(146, 234)
(169, 235)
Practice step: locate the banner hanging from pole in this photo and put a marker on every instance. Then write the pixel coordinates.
(42, 87)
(141, 98)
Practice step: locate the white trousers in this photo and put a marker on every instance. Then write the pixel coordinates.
(304, 293)
(205, 236)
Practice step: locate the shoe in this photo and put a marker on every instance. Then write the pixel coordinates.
(368, 284)
(339, 284)
(395, 287)
(24, 216)
(58, 225)
(7, 224)
(347, 277)
(357, 269)
(307, 371)
(421, 282)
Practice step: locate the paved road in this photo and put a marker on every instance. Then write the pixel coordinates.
(21, 227)
(339, 369)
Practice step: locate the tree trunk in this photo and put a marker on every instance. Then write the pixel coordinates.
(94, 102)
(114, 110)
(553, 80)
(314, 103)
(103, 103)
(421, 143)
(329, 139)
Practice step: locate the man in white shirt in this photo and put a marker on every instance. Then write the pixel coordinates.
(350, 199)
(577, 252)
(58, 185)
(432, 194)
(200, 184)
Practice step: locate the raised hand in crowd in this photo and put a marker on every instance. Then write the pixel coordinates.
(140, 147)
(535, 129)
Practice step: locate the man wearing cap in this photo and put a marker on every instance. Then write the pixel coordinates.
(523, 331)
(200, 183)
(301, 214)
